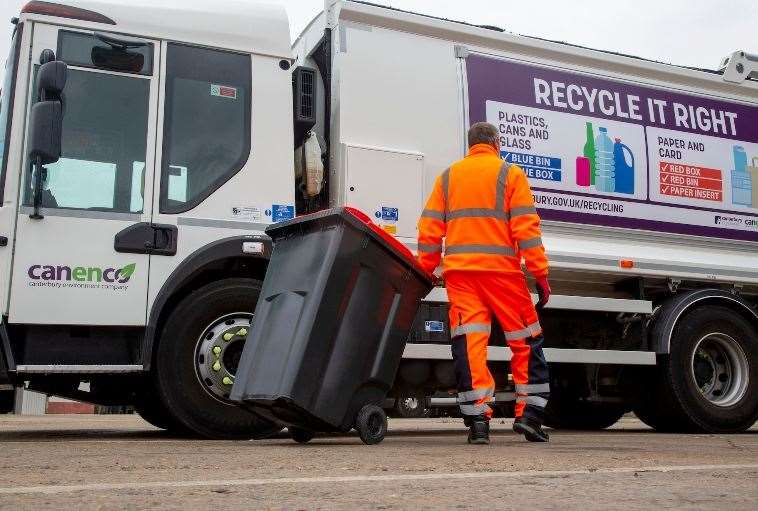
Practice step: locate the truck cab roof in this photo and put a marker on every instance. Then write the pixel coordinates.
(253, 27)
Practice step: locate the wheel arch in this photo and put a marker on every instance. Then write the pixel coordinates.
(223, 258)
(667, 317)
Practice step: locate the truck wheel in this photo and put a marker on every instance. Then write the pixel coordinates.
(709, 381)
(154, 412)
(413, 405)
(7, 398)
(197, 357)
(301, 436)
(582, 415)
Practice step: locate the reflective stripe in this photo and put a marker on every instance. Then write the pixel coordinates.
(446, 188)
(530, 243)
(474, 409)
(532, 388)
(471, 328)
(480, 249)
(475, 395)
(477, 213)
(529, 331)
(523, 210)
(430, 213)
(502, 179)
(430, 248)
(537, 401)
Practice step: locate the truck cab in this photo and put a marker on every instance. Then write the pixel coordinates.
(176, 153)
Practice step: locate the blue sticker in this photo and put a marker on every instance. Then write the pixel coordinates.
(434, 326)
(389, 214)
(280, 213)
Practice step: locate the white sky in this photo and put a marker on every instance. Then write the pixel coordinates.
(686, 32)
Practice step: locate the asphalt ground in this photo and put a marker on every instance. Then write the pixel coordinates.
(120, 462)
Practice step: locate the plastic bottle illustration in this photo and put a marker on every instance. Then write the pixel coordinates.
(589, 152)
(624, 170)
(742, 183)
(740, 158)
(605, 178)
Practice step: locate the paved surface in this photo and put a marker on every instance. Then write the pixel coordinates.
(120, 462)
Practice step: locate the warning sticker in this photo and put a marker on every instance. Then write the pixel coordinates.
(282, 212)
(223, 91)
(390, 214)
(246, 213)
(434, 326)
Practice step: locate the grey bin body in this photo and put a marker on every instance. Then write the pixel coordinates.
(330, 328)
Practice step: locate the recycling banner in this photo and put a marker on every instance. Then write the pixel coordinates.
(616, 154)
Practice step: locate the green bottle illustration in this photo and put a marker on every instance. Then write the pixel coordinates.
(589, 152)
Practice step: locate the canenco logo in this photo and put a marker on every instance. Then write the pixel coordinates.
(728, 220)
(81, 273)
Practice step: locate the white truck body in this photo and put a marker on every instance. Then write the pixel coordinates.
(400, 89)
(177, 152)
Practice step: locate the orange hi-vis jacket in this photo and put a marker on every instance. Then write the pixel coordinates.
(484, 209)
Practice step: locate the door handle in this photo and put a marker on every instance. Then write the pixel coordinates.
(147, 238)
(3, 241)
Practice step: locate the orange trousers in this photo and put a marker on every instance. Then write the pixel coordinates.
(474, 297)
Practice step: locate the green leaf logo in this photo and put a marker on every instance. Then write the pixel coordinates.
(126, 272)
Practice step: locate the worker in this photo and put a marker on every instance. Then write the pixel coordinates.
(484, 210)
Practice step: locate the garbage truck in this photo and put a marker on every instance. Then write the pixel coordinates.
(145, 146)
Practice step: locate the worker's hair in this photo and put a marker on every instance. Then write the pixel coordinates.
(483, 133)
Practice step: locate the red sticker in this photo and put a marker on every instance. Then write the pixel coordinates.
(224, 91)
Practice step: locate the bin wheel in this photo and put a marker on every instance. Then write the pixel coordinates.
(301, 436)
(371, 424)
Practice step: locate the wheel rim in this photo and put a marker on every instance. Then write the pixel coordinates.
(411, 403)
(720, 369)
(218, 352)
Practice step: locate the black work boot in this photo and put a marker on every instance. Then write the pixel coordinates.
(479, 429)
(531, 429)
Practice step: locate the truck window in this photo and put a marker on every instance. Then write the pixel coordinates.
(6, 106)
(206, 137)
(85, 50)
(104, 145)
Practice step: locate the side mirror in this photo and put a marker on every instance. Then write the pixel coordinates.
(51, 80)
(45, 131)
(45, 134)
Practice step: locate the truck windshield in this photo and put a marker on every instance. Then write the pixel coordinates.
(5, 106)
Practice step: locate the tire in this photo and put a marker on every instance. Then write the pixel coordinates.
(301, 436)
(371, 424)
(582, 415)
(709, 381)
(154, 412)
(413, 405)
(7, 401)
(188, 398)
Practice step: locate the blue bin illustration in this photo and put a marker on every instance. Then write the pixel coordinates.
(624, 168)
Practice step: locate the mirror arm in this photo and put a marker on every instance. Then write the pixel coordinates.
(121, 43)
(39, 178)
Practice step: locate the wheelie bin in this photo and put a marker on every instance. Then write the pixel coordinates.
(337, 305)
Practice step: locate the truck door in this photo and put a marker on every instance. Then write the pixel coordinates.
(86, 261)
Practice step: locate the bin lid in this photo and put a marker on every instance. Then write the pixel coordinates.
(362, 221)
